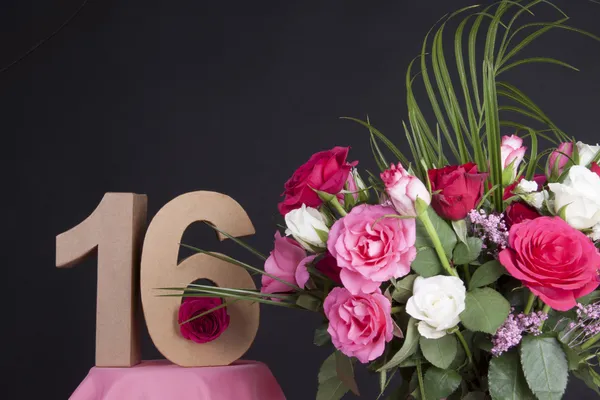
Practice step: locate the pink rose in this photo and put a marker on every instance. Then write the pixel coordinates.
(559, 158)
(512, 152)
(404, 189)
(370, 253)
(555, 261)
(359, 325)
(283, 263)
(326, 171)
(206, 328)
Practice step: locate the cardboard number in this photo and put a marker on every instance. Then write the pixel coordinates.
(160, 269)
(115, 228)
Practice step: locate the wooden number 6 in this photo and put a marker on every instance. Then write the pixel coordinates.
(160, 269)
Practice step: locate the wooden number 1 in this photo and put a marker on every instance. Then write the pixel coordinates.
(115, 228)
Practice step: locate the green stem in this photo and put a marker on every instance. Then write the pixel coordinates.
(397, 309)
(420, 378)
(530, 302)
(545, 310)
(338, 207)
(462, 340)
(437, 244)
(590, 342)
(467, 272)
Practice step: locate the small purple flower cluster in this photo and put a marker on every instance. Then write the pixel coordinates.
(492, 228)
(511, 331)
(588, 319)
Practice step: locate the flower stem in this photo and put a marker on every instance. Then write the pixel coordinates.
(545, 310)
(462, 340)
(590, 342)
(397, 309)
(437, 244)
(530, 302)
(420, 378)
(338, 207)
(467, 272)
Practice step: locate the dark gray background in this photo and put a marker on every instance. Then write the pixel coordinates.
(166, 97)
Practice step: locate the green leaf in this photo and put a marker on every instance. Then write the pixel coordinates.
(506, 380)
(308, 302)
(323, 235)
(460, 228)
(345, 371)
(545, 366)
(440, 383)
(590, 298)
(330, 386)
(486, 274)
(485, 310)
(410, 345)
(465, 253)
(403, 288)
(322, 337)
(439, 352)
(587, 374)
(427, 263)
(444, 231)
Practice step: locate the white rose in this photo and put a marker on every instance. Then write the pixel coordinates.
(580, 195)
(535, 199)
(586, 153)
(526, 186)
(595, 235)
(302, 223)
(437, 303)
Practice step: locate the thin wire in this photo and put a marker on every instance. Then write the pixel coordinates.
(35, 47)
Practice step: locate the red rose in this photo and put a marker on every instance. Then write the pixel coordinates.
(326, 171)
(595, 168)
(328, 267)
(540, 179)
(519, 212)
(206, 328)
(456, 190)
(555, 261)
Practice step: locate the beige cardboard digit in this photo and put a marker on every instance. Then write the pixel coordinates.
(160, 269)
(116, 228)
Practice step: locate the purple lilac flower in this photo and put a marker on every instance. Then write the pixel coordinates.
(490, 228)
(511, 331)
(586, 325)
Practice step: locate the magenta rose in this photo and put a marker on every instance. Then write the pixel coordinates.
(595, 168)
(519, 212)
(555, 261)
(326, 171)
(371, 249)
(328, 267)
(359, 325)
(284, 262)
(456, 190)
(206, 328)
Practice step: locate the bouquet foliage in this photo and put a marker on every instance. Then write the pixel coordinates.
(470, 271)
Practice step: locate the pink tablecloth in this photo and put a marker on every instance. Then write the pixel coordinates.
(161, 380)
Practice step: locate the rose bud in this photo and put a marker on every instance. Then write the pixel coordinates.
(512, 152)
(404, 189)
(456, 190)
(559, 159)
(308, 226)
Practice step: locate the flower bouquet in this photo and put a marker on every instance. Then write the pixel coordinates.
(470, 271)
